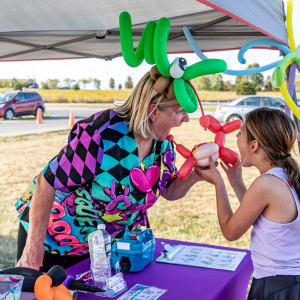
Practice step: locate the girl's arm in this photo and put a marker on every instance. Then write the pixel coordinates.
(255, 200)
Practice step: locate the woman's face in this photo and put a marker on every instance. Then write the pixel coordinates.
(168, 118)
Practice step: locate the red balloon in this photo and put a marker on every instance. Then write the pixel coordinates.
(228, 156)
(214, 124)
(204, 121)
(183, 151)
(220, 139)
(186, 168)
(232, 126)
(170, 138)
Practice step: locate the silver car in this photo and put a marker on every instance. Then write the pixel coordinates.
(236, 109)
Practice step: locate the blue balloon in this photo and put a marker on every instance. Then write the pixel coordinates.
(241, 53)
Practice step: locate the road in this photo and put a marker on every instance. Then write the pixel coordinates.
(57, 120)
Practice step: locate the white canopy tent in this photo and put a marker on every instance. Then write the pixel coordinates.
(66, 29)
(56, 29)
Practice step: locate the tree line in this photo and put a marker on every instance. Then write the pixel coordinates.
(67, 83)
(243, 85)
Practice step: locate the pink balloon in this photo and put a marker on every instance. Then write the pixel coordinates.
(140, 180)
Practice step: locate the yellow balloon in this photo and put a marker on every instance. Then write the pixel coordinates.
(289, 25)
(289, 101)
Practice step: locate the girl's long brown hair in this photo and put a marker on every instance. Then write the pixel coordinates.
(276, 133)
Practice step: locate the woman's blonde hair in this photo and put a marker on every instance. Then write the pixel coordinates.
(276, 133)
(135, 110)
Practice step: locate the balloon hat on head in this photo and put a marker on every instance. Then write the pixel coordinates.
(173, 80)
(291, 59)
(153, 48)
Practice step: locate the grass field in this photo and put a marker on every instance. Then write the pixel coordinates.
(192, 218)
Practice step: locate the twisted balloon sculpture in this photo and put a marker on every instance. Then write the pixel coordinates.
(241, 54)
(293, 59)
(153, 48)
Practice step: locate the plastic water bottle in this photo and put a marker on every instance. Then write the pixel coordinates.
(100, 250)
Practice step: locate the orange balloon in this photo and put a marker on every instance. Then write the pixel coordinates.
(43, 289)
(61, 293)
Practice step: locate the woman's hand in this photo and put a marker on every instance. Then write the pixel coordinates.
(32, 257)
(210, 173)
(233, 172)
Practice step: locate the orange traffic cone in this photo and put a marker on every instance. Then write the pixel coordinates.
(39, 118)
(71, 119)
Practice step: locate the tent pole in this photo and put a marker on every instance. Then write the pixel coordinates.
(297, 121)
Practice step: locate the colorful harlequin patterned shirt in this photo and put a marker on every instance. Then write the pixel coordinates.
(98, 179)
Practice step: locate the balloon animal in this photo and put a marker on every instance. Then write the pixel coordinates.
(153, 47)
(293, 59)
(200, 154)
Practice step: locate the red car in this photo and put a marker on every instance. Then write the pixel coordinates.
(14, 104)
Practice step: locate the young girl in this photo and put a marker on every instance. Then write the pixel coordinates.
(270, 204)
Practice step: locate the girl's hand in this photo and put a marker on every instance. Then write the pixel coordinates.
(233, 172)
(210, 173)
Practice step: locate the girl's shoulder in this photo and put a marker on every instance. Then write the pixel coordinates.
(268, 185)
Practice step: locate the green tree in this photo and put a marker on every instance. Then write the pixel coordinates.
(128, 83)
(257, 79)
(68, 82)
(268, 84)
(111, 83)
(228, 86)
(16, 85)
(245, 88)
(217, 83)
(203, 83)
(52, 83)
(84, 82)
(76, 86)
(120, 86)
(45, 85)
(97, 83)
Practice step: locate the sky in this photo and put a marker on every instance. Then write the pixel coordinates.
(104, 70)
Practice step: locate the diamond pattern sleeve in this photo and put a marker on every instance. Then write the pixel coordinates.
(78, 162)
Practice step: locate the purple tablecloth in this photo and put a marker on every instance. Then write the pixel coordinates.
(183, 282)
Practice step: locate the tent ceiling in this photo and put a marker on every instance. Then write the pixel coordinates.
(57, 29)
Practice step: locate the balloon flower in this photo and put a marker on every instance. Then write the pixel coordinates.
(293, 59)
(153, 47)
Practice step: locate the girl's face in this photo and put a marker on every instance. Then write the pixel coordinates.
(168, 118)
(243, 147)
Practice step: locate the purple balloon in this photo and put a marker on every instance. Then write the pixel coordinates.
(291, 85)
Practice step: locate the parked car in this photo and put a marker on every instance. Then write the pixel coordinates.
(236, 109)
(14, 104)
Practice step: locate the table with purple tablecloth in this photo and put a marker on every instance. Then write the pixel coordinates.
(184, 282)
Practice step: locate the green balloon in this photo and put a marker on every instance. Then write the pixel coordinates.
(160, 46)
(133, 59)
(148, 43)
(185, 95)
(204, 67)
(277, 78)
